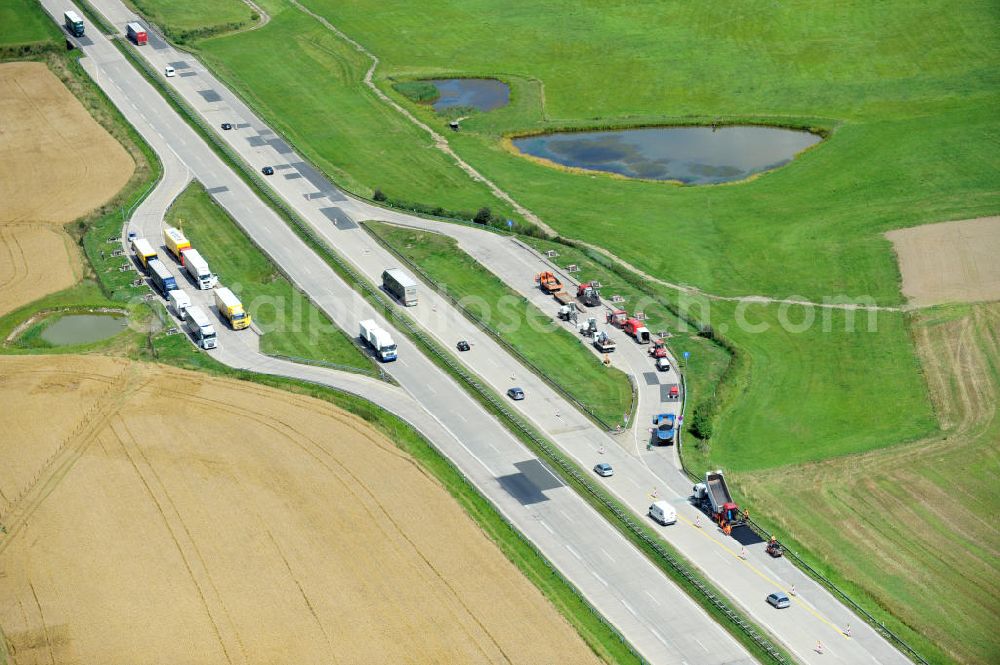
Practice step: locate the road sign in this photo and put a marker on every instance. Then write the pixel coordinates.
(510, 223)
(687, 354)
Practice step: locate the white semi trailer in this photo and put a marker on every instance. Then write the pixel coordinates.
(197, 267)
(379, 340)
(200, 327)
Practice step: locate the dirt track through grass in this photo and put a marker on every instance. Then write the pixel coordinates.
(285, 530)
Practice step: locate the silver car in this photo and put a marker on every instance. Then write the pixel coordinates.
(604, 470)
(779, 600)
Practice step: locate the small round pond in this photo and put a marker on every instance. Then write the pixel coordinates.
(480, 94)
(692, 155)
(83, 328)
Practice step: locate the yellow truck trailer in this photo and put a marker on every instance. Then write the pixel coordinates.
(231, 308)
(175, 242)
(144, 252)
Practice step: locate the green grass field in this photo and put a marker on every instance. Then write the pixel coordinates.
(911, 526)
(187, 19)
(292, 325)
(558, 355)
(22, 23)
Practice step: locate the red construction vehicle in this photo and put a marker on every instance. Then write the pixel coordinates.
(548, 282)
(588, 294)
(659, 349)
(714, 496)
(635, 328)
(617, 318)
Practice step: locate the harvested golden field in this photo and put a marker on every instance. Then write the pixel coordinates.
(949, 262)
(157, 515)
(35, 260)
(58, 162)
(915, 525)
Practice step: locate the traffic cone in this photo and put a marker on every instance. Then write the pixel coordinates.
(819, 647)
(792, 590)
(743, 553)
(847, 631)
(697, 521)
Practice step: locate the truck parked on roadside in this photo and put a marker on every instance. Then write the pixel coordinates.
(74, 24)
(663, 430)
(548, 282)
(197, 267)
(144, 251)
(175, 242)
(135, 32)
(603, 342)
(200, 327)
(179, 301)
(379, 340)
(231, 309)
(714, 496)
(634, 328)
(401, 286)
(161, 277)
(589, 294)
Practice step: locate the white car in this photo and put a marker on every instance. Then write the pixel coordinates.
(169, 71)
(663, 364)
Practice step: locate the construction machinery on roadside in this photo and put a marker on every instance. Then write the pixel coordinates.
(659, 349)
(588, 294)
(663, 430)
(603, 342)
(548, 282)
(587, 328)
(617, 318)
(714, 496)
(634, 328)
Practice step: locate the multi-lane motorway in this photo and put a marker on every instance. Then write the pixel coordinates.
(652, 613)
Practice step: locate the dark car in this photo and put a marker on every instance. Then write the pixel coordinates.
(463, 346)
(779, 600)
(227, 126)
(515, 394)
(267, 170)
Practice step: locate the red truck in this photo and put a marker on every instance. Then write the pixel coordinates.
(136, 33)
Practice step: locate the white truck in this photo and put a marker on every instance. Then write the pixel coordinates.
(200, 327)
(197, 267)
(179, 301)
(379, 340)
(402, 287)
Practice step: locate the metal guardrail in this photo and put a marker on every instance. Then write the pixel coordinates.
(555, 385)
(566, 467)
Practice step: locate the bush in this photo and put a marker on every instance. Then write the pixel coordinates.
(483, 216)
(701, 419)
(421, 92)
(379, 195)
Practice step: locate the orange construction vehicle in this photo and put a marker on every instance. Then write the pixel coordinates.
(548, 282)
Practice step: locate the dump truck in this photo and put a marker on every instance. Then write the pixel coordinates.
(176, 243)
(200, 327)
(231, 309)
(144, 251)
(135, 32)
(634, 328)
(588, 294)
(197, 267)
(161, 277)
(380, 341)
(663, 430)
(659, 349)
(401, 286)
(603, 343)
(714, 496)
(179, 301)
(73, 23)
(548, 282)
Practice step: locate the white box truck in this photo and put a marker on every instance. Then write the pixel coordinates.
(402, 287)
(200, 327)
(197, 267)
(379, 340)
(179, 301)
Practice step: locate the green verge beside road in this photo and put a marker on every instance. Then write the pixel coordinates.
(291, 324)
(193, 19)
(555, 353)
(24, 27)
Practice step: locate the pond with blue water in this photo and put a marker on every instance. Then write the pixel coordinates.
(480, 94)
(692, 155)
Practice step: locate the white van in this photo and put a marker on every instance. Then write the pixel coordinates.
(169, 71)
(663, 512)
